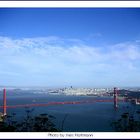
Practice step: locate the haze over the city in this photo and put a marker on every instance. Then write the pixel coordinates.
(66, 46)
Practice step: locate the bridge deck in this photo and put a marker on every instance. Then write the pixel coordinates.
(58, 103)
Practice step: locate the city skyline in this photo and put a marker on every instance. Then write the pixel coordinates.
(70, 46)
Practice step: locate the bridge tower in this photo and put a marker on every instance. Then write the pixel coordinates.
(115, 98)
(4, 102)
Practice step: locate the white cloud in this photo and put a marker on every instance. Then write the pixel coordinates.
(57, 59)
(126, 51)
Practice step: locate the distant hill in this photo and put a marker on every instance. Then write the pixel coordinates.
(128, 93)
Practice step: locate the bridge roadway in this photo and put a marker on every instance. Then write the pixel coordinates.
(60, 103)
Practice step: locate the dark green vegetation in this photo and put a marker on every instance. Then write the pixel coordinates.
(40, 123)
(127, 123)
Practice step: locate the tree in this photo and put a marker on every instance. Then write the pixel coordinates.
(40, 123)
(127, 123)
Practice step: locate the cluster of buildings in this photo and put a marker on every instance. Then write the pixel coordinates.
(60, 91)
(126, 92)
(81, 91)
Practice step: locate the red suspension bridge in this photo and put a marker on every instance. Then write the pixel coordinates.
(5, 106)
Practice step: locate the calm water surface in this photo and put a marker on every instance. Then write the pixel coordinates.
(91, 117)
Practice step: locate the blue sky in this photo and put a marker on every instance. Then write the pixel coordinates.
(83, 47)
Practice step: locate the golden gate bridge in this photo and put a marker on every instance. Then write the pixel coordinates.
(6, 106)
